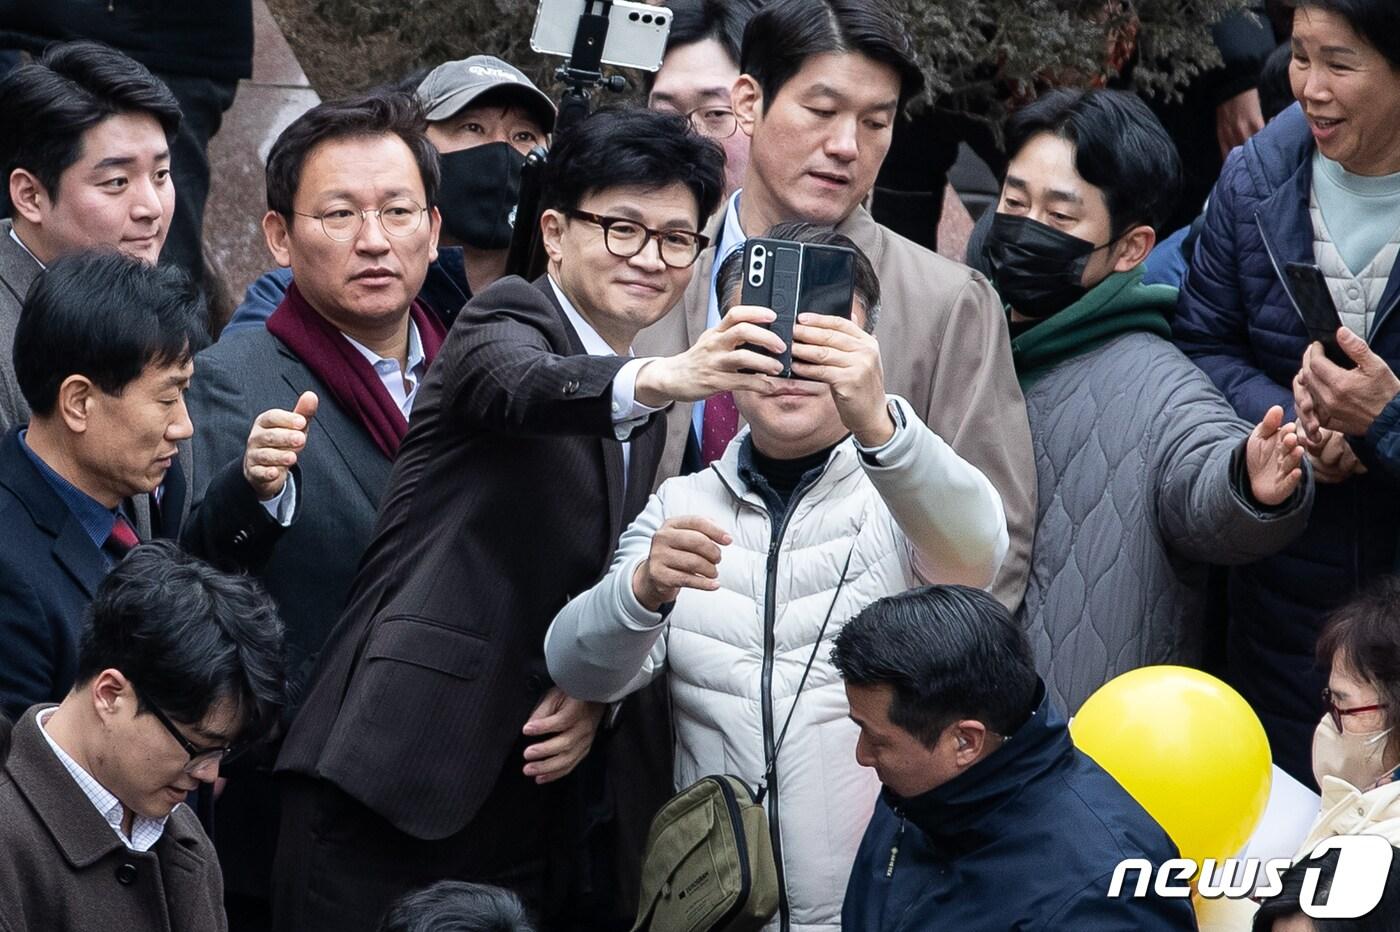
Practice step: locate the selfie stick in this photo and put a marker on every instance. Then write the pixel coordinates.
(581, 74)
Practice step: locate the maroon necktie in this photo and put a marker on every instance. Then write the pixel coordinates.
(718, 427)
(122, 538)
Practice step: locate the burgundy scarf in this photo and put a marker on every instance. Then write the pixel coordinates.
(348, 375)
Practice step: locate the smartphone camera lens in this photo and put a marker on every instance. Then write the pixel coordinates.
(756, 279)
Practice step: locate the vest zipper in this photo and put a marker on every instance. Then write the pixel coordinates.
(770, 613)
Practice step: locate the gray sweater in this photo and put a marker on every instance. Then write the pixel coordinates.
(1134, 449)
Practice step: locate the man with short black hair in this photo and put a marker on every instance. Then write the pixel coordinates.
(179, 667)
(990, 818)
(352, 189)
(698, 72)
(103, 355)
(484, 116)
(821, 86)
(432, 738)
(85, 157)
(1132, 442)
(732, 578)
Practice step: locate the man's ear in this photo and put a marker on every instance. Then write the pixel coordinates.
(435, 229)
(747, 100)
(277, 235)
(110, 690)
(28, 195)
(75, 398)
(1133, 248)
(970, 737)
(552, 234)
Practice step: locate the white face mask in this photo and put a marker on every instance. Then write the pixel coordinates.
(1355, 758)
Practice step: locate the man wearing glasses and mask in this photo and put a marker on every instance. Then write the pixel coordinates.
(431, 744)
(484, 117)
(180, 666)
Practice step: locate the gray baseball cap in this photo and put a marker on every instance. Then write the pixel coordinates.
(453, 85)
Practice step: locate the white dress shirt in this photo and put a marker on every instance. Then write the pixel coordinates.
(145, 832)
(402, 387)
(627, 413)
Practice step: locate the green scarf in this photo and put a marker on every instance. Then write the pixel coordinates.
(1119, 304)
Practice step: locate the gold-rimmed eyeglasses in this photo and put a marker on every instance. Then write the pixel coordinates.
(400, 216)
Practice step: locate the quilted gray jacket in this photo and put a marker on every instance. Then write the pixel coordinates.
(1135, 453)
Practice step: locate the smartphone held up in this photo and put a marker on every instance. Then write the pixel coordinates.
(796, 278)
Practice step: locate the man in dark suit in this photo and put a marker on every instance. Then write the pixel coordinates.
(351, 190)
(431, 743)
(85, 155)
(103, 355)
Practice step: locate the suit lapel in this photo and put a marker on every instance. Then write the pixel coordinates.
(76, 553)
(363, 460)
(17, 267)
(613, 476)
(72, 548)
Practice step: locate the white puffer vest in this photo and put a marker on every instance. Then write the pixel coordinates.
(736, 655)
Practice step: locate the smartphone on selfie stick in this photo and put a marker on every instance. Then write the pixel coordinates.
(588, 34)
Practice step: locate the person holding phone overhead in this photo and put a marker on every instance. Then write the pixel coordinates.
(1320, 186)
(1145, 473)
(735, 579)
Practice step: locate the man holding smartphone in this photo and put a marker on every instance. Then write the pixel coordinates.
(734, 579)
(432, 743)
(821, 86)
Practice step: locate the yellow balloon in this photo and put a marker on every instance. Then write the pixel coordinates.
(1188, 748)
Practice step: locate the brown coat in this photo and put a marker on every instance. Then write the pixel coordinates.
(944, 343)
(63, 868)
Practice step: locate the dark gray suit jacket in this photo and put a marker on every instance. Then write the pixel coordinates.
(307, 567)
(17, 272)
(506, 498)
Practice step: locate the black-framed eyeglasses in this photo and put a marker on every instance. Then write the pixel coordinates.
(1337, 711)
(198, 756)
(400, 216)
(713, 120)
(626, 238)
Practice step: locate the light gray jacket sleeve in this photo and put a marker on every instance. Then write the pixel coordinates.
(948, 510)
(1201, 512)
(603, 644)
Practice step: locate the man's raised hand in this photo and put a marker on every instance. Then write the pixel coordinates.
(273, 444)
(712, 365)
(836, 351)
(684, 554)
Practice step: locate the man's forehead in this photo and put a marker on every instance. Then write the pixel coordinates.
(360, 165)
(859, 80)
(122, 138)
(673, 205)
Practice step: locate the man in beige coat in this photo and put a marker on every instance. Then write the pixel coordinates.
(818, 97)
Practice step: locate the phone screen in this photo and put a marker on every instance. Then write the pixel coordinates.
(828, 280)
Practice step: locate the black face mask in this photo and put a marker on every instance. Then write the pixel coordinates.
(480, 187)
(1037, 269)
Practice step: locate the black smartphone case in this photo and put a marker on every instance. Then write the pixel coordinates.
(793, 278)
(1314, 302)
